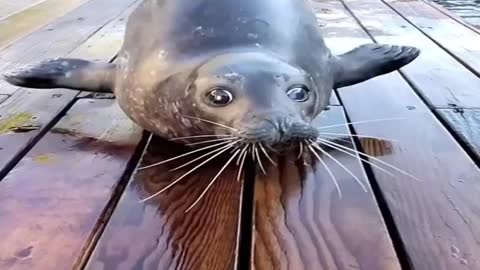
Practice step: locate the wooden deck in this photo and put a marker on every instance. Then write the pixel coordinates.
(70, 194)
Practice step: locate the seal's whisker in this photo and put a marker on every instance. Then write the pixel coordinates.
(300, 153)
(213, 181)
(241, 166)
(259, 159)
(266, 154)
(363, 122)
(186, 174)
(374, 158)
(359, 136)
(200, 157)
(328, 170)
(341, 165)
(214, 140)
(212, 122)
(244, 152)
(183, 155)
(201, 136)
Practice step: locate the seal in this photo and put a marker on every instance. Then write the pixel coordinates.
(244, 72)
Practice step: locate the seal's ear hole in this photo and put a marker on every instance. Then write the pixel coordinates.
(219, 96)
(298, 93)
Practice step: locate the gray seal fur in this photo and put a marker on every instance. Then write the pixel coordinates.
(188, 68)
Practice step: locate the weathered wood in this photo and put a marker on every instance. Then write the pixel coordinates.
(18, 25)
(60, 37)
(8, 7)
(442, 80)
(457, 39)
(437, 217)
(51, 202)
(465, 123)
(26, 113)
(3, 98)
(302, 223)
(158, 234)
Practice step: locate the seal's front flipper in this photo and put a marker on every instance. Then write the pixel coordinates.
(371, 60)
(65, 73)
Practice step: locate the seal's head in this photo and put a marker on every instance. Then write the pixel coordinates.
(261, 98)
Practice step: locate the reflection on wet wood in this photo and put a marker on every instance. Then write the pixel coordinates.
(26, 113)
(28, 20)
(441, 79)
(437, 217)
(456, 38)
(60, 37)
(301, 221)
(465, 123)
(158, 234)
(51, 202)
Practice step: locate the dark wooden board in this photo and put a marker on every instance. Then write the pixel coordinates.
(438, 217)
(60, 37)
(53, 200)
(454, 37)
(302, 223)
(158, 234)
(20, 24)
(27, 112)
(465, 123)
(441, 79)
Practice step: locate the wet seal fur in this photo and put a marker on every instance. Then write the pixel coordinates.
(259, 67)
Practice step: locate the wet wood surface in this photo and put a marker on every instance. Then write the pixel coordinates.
(459, 40)
(51, 202)
(441, 79)
(157, 233)
(301, 221)
(29, 111)
(437, 215)
(20, 24)
(465, 123)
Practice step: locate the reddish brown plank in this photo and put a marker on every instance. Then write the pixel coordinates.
(158, 234)
(465, 123)
(27, 112)
(52, 201)
(438, 217)
(457, 39)
(60, 37)
(20, 24)
(441, 79)
(302, 223)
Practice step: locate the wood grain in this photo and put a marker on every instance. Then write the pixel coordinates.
(302, 223)
(465, 123)
(52, 201)
(158, 234)
(8, 7)
(26, 113)
(437, 217)
(60, 37)
(442, 80)
(20, 24)
(457, 39)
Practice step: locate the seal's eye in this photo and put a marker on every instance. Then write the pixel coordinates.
(219, 96)
(298, 93)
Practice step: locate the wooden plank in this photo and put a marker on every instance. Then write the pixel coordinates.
(51, 202)
(8, 7)
(465, 123)
(302, 223)
(437, 217)
(457, 39)
(158, 234)
(60, 37)
(460, 20)
(442, 80)
(3, 98)
(28, 112)
(18, 25)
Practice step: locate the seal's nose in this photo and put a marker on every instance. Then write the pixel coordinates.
(287, 129)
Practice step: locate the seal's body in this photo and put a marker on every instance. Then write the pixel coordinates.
(255, 69)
